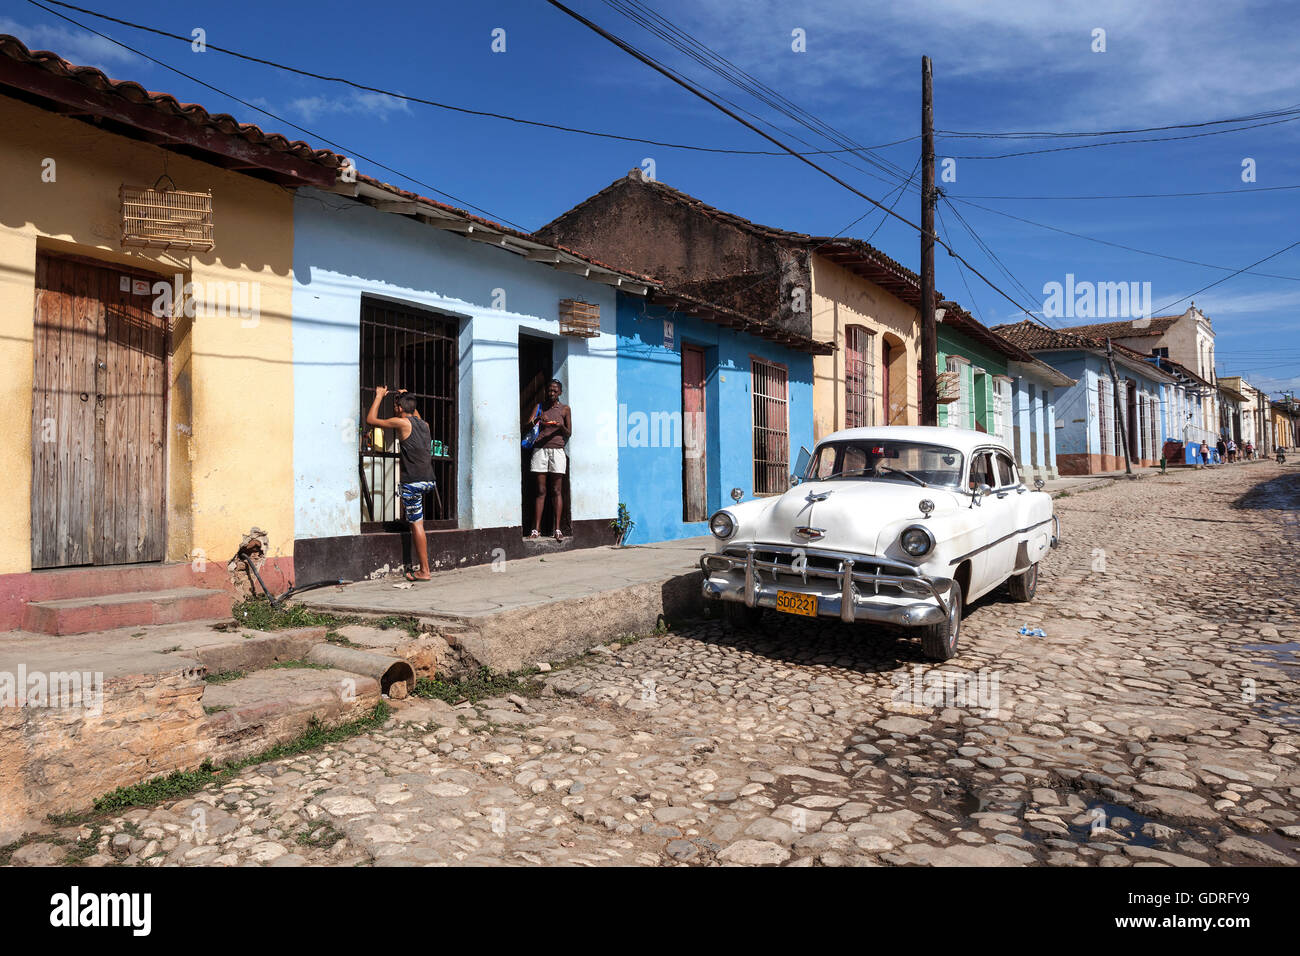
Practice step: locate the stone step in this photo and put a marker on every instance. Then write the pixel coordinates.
(276, 705)
(81, 615)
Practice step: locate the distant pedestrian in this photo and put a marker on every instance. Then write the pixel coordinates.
(1222, 446)
(1205, 453)
(1250, 451)
(1232, 450)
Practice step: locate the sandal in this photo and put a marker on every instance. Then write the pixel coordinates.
(559, 535)
(534, 533)
(414, 580)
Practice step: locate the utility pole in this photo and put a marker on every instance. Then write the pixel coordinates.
(929, 406)
(1119, 409)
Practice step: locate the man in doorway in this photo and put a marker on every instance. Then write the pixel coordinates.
(416, 465)
(549, 462)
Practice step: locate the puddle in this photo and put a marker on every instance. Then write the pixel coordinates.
(1286, 658)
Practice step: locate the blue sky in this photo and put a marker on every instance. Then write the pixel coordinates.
(1008, 66)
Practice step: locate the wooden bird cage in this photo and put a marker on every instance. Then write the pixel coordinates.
(154, 218)
(948, 387)
(580, 319)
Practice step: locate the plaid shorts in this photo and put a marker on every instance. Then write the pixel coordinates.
(413, 498)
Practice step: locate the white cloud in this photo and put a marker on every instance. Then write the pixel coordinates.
(1162, 57)
(349, 101)
(75, 46)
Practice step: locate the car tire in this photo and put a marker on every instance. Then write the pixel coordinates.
(741, 616)
(1022, 587)
(939, 641)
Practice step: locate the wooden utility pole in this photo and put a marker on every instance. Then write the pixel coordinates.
(1119, 409)
(929, 406)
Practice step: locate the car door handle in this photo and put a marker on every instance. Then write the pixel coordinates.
(1003, 494)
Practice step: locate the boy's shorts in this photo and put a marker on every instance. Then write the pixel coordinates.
(413, 498)
(550, 460)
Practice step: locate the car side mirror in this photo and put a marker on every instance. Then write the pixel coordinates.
(794, 479)
(801, 463)
(1038, 484)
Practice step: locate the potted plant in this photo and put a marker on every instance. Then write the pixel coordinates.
(622, 525)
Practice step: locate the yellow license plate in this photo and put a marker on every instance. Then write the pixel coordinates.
(793, 603)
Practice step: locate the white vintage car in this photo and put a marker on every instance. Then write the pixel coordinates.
(897, 524)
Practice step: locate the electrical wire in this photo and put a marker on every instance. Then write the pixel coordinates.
(348, 152)
(447, 106)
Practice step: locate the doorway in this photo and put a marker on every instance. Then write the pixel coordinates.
(99, 409)
(695, 490)
(536, 369)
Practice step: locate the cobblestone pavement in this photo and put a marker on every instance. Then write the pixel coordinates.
(1157, 723)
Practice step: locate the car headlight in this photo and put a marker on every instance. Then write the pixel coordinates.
(722, 525)
(916, 541)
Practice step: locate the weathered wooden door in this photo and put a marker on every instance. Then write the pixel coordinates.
(99, 398)
(694, 437)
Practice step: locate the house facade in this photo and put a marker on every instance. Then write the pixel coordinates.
(1187, 339)
(994, 386)
(140, 357)
(1096, 427)
(711, 405)
(828, 289)
(469, 317)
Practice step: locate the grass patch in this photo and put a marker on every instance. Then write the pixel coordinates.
(322, 837)
(183, 783)
(334, 637)
(483, 683)
(225, 677)
(218, 708)
(312, 665)
(396, 622)
(258, 614)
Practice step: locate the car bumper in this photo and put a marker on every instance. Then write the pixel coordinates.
(845, 592)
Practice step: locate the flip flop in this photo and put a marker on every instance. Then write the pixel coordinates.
(559, 535)
(534, 533)
(414, 580)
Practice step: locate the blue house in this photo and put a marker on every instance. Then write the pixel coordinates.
(473, 319)
(1094, 428)
(712, 405)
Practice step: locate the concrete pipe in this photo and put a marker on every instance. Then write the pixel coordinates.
(387, 670)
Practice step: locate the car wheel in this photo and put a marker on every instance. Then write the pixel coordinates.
(939, 641)
(1024, 586)
(742, 616)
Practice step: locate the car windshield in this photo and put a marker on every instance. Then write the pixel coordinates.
(886, 460)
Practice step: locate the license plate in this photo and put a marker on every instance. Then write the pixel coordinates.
(791, 602)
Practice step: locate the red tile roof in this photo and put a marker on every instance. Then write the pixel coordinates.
(1127, 329)
(1037, 338)
(49, 77)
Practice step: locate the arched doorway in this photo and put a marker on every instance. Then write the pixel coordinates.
(893, 380)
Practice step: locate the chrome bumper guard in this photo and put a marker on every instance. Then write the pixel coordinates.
(844, 592)
(1056, 531)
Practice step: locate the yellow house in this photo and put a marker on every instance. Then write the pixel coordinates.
(858, 303)
(145, 347)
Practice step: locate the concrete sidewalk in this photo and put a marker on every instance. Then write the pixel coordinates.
(515, 613)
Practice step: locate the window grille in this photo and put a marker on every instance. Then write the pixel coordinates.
(859, 377)
(416, 350)
(771, 428)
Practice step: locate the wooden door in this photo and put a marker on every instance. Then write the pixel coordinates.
(99, 390)
(694, 436)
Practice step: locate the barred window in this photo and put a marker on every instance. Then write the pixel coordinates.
(771, 428)
(859, 377)
(959, 411)
(1104, 415)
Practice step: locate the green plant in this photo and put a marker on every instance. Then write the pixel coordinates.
(258, 613)
(623, 523)
(225, 677)
(482, 683)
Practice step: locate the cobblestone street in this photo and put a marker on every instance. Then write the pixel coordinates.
(1157, 722)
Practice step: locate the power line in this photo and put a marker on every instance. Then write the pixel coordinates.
(1211, 192)
(445, 106)
(688, 86)
(1129, 142)
(281, 119)
(1045, 134)
(1116, 245)
(1273, 255)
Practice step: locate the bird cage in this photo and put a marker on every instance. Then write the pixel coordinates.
(580, 319)
(948, 387)
(154, 218)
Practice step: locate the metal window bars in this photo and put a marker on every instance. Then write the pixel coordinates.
(859, 377)
(417, 350)
(771, 428)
